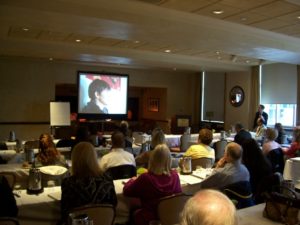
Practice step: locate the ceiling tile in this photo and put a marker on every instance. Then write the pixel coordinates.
(228, 10)
(270, 24)
(19, 32)
(186, 5)
(276, 9)
(105, 41)
(289, 30)
(246, 18)
(53, 36)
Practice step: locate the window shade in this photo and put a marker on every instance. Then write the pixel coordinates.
(213, 96)
(279, 84)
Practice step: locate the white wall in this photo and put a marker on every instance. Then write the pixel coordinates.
(27, 87)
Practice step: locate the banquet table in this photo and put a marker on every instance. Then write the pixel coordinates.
(254, 216)
(292, 171)
(44, 208)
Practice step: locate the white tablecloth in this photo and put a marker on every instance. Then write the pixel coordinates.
(7, 154)
(20, 173)
(292, 171)
(44, 209)
(254, 216)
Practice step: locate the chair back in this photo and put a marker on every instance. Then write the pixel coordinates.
(277, 160)
(121, 172)
(220, 148)
(170, 207)
(32, 144)
(3, 146)
(240, 192)
(185, 142)
(8, 221)
(65, 143)
(103, 214)
(203, 162)
(10, 177)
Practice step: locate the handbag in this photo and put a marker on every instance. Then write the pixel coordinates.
(282, 206)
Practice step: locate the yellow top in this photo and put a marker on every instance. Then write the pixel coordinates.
(200, 151)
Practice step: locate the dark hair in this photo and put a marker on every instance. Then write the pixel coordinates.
(205, 136)
(97, 86)
(262, 106)
(117, 139)
(239, 126)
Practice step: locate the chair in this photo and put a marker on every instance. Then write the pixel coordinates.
(32, 144)
(240, 192)
(3, 146)
(170, 207)
(10, 177)
(121, 172)
(8, 221)
(277, 160)
(203, 162)
(65, 143)
(103, 214)
(219, 149)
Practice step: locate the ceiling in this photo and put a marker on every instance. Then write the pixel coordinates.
(139, 33)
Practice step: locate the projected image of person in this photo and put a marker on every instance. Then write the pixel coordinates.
(99, 92)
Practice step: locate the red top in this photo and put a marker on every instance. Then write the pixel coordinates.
(291, 152)
(149, 188)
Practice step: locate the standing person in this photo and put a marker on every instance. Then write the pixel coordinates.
(158, 182)
(99, 94)
(241, 134)
(117, 156)
(260, 114)
(87, 185)
(209, 207)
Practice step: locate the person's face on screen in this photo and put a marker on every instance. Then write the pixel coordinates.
(103, 97)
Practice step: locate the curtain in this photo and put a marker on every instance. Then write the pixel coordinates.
(254, 93)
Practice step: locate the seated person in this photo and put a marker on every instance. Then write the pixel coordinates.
(157, 137)
(281, 133)
(158, 182)
(229, 169)
(260, 129)
(209, 207)
(241, 134)
(87, 185)
(124, 128)
(48, 154)
(8, 206)
(293, 150)
(259, 167)
(202, 149)
(117, 156)
(270, 143)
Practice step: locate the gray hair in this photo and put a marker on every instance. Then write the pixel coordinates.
(209, 207)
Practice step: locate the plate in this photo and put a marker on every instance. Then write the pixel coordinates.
(296, 159)
(53, 170)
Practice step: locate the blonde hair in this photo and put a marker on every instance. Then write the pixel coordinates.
(84, 160)
(157, 137)
(160, 160)
(204, 208)
(271, 134)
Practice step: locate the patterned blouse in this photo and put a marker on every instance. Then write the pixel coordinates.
(91, 190)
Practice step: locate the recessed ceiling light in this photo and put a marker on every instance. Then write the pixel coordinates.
(78, 40)
(218, 12)
(247, 61)
(174, 68)
(50, 59)
(25, 29)
(136, 42)
(243, 19)
(217, 52)
(167, 50)
(298, 17)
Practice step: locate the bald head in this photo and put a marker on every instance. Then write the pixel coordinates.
(209, 207)
(233, 152)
